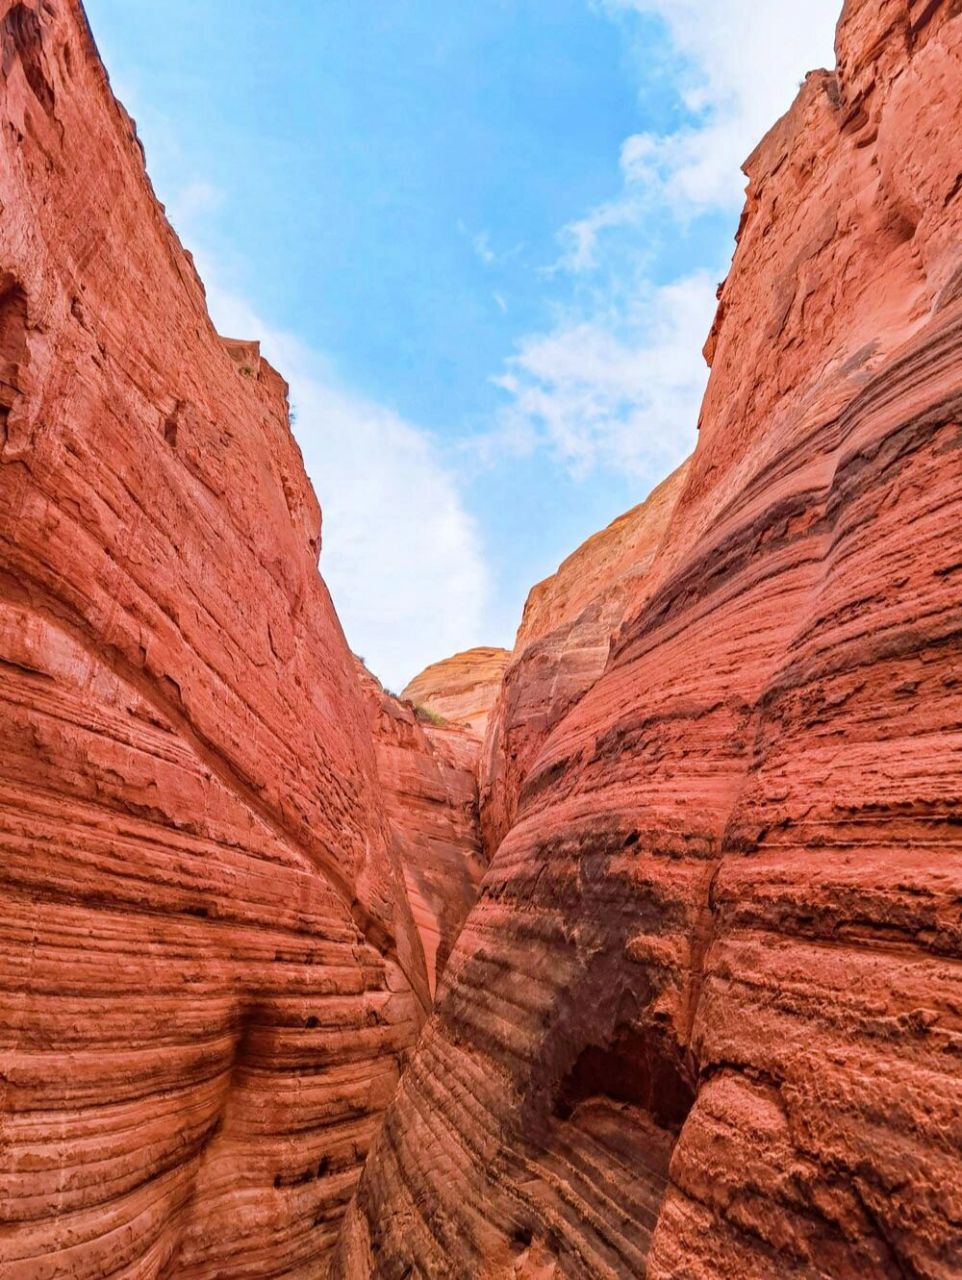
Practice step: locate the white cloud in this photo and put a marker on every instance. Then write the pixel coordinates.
(481, 244)
(620, 391)
(580, 238)
(401, 555)
(620, 383)
(742, 63)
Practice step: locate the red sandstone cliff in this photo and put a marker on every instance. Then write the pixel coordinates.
(461, 689)
(562, 646)
(704, 1020)
(429, 787)
(209, 973)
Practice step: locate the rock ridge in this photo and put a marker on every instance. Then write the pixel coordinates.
(563, 644)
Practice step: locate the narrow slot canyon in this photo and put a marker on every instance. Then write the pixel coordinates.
(635, 950)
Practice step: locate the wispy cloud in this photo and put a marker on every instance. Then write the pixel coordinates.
(579, 239)
(195, 200)
(740, 64)
(618, 380)
(483, 248)
(615, 390)
(481, 244)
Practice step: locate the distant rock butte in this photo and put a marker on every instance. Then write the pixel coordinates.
(704, 1019)
(461, 689)
(209, 971)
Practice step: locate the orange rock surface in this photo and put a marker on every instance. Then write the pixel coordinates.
(562, 646)
(429, 785)
(704, 1020)
(462, 688)
(209, 972)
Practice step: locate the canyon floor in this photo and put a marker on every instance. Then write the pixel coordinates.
(636, 951)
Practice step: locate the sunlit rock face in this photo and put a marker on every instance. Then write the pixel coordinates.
(704, 1019)
(429, 788)
(562, 646)
(461, 689)
(209, 972)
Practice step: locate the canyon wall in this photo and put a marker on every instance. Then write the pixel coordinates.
(562, 646)
(462, 688)
(429, 787)
(209, 971)
(704, 1020)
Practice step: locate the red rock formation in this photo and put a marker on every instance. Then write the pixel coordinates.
(705, 1018)
(562, 646)
(461, 689)
(209, 975)
(429, 781)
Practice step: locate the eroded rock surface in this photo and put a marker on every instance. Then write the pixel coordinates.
(704, 1020)
(429, 782)
(562, 646)
(461, 689)
(209, 973)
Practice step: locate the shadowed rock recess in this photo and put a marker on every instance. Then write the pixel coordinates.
(704, 1019)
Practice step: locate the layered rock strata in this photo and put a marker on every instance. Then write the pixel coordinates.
(429, 783)
(461, 689)
(705, 1018)
(209, 973)
(562, 646)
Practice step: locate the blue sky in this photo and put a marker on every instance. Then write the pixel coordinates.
(481, 240)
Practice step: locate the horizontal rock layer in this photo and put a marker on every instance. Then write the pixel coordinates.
(704, 1020)
(562, 646)
(209, 972)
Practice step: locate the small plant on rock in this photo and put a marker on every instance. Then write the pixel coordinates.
(425, 713)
